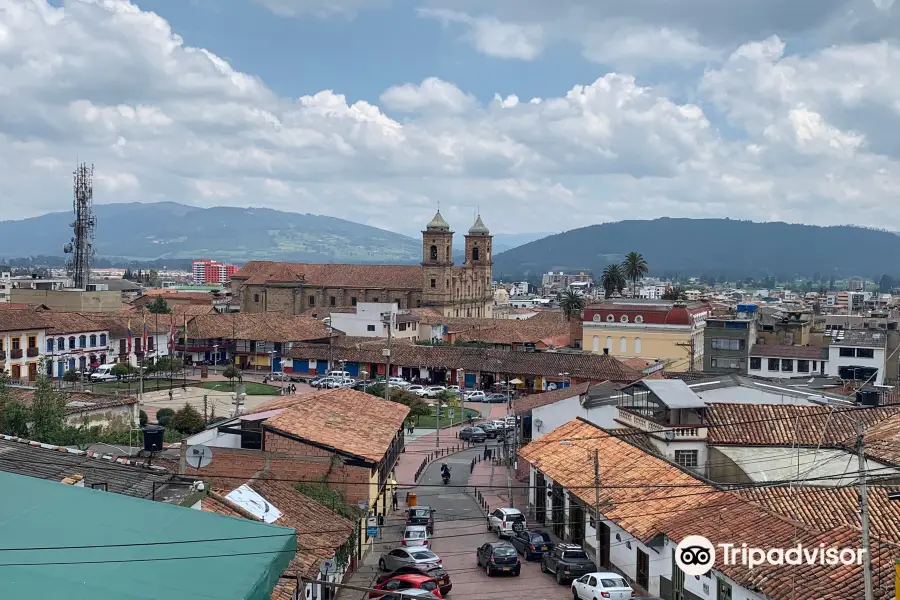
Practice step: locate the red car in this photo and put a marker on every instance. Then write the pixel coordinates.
(407, 582)
(437, 573)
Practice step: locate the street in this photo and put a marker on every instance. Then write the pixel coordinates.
(460, 529)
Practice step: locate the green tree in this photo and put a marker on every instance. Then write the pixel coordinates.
(153, 278)
(70, 376)
(232, 372)
(613, 280)
(673, 293)
(417, 406)
(187, 420)
(121, 370)
(571, 303)
(159, 307)
(634, 267)
(47, 412)
(142, 418)
(164, 415)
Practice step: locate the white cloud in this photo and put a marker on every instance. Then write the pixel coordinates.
(110, 84)
(494, 37)
(322, 8)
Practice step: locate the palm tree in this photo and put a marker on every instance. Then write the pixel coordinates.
(634, 267)
(613, 280)
(571, 303)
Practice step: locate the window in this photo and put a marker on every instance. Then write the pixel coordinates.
(82, 341)
(609, 343)
(623, 345)
(475, 253)
(93, 340)
(401, 326)
(727, 344)
(596, 344)
(720, 362)
(32, 341)
(49, 344)
(686, 458)
(433, 252)
(639, 319)
(370, 328)
(150, 344)
(332, 301)
(352, 300)
(434, 283)
(774, 364)
(137, 345)
(61, 344)
(2, 344)
(256, 298)
(848, 352)
(16, 343)
(624, 318)
(103, 339)
(637, 345)
(755, 363)
(803, 366)
(610, 318)
(787, 365)
(312, 300)
(643, 569)
(865, 353)
(375, 299)
(123, 349)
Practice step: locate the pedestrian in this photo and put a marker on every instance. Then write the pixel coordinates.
(394, 500)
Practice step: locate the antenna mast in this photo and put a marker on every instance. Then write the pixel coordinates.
(81, 246)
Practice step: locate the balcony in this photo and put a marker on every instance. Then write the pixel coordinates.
(683, 432)
(14, 354)
(32, 352)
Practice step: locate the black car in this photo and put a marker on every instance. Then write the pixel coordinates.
(443, 578)
(361, 384)
(472, 434)
(490, 429)
(499, 557)
(421, 515)
(567, 562)
(531, 544)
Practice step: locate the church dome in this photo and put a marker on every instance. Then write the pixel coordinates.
(501, 296)
(479, 228)
(438, 223)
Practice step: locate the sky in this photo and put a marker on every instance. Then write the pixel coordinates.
(542, 115)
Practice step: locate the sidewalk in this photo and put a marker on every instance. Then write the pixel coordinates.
(492, 488)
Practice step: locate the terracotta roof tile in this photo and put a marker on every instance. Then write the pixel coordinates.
(549, 328)
(789, 424)
(332, 275)
(803, 352)
(352, 422)
(584, 366)
(255, 326)
(532, 401)
(882, 441)
(60, 323)
(21, 320)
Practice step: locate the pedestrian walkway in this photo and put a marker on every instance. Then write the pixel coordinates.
(491, 485)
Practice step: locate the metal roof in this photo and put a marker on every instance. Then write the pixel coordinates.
(674, 393)
(121, 562)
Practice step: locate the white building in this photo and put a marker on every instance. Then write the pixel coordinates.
(653, 292)
(858, 354)
(74, 342)
(368, 320)
(787, 361)
(22, 337)
(5, 286)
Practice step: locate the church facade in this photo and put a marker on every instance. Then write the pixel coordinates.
(437, 283)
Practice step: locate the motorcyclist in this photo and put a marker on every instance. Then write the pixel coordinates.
(445, 471)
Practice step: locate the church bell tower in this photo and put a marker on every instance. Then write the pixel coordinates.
(437, 262)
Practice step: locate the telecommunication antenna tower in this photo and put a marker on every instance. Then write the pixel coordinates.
(81, 246)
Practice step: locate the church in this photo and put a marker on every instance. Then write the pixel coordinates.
(453, 290)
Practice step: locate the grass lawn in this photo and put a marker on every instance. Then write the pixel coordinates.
(430, 422)
(150, 385)
(250, 387)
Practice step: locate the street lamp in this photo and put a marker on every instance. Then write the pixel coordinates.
(215, 357)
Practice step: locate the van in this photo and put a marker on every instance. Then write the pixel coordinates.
(104, 373)
(338, 374)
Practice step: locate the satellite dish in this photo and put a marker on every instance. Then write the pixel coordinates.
(199, 456)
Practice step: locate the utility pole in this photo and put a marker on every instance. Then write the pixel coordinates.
(864, 510)
(690, 346)
(597, 507)
(205, 408)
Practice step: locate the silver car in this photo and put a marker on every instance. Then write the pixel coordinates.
(405, 557)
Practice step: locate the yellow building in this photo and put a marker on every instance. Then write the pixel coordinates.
(664, 330)
(23, 334)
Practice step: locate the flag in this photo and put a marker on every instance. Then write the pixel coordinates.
(130, 335)
(145, 333)
(185, 332)
(171, 334)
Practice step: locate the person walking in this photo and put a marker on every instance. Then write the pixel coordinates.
(394, 501)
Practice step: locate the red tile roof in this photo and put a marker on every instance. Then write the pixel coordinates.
(21, 320)
(255, 326)
(62, 323)
(352, 422)
(532, 401)
(332, 275)
(882, 441)
(550, 328)
(802, 352)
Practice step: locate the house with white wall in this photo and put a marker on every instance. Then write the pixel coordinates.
(370, 320)
(631, 513)
(23, 335)
(782, 362)
(858, 354)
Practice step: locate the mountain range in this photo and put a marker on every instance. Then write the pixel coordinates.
(169, 230)
(724, 248)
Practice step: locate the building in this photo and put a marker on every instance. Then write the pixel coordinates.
(150, 336)
(456, 291)
(23, 334)
(653, 292)
(545, 331)
(787, 361)
(859, 354)
(74, 342)
(68, 300)
(780, 327)
(555, 281)
(85, 409)
(5, 286)
(727, 341)
(368, 320)
(207, 271)
(664, 330)
(174, 298)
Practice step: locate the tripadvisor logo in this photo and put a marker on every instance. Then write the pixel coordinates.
(696, 555)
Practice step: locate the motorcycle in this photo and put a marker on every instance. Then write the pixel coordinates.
(445, 476)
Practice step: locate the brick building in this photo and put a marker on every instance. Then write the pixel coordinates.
(455, 290)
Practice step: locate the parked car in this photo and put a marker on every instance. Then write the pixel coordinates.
(421, 515)
(432, 391)
(415, 535)
(405, 557)
(362, 384)
(437, 573)
(499, 557)
(567, 562)
(103, 373)
(506, 521)
(531, 543)
(421, 594)
(499, 424)
(398, 381)
(453, 388)
(410, 581)
(416, 389)
(339, 374)
(490, 429)
(495, 398)
(472, 434)
(475, 396)
(601, 585)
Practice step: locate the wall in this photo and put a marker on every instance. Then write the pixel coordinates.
(836, 361)
(70, 300)
(295, 299)
(655, 343)
(563, 411)
(815, 367)
(23, 362)
(740, 394)
(117, 417)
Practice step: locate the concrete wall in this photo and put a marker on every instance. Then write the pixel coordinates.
(563, 411)
(70, 300)
(816, 367)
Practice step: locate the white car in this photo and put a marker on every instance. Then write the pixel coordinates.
(416, 389)
(398, 381)
(339, 374)
(415, 535)
(453, 388)
(506, 522)
(104, 373)
(601, 585)
(433, 391)
(475, 396)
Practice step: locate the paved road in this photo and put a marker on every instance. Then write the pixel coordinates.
(460, 528)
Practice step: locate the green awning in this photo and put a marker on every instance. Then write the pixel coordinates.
(44, 514)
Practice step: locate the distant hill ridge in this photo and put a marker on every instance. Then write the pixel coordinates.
(719, 247)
